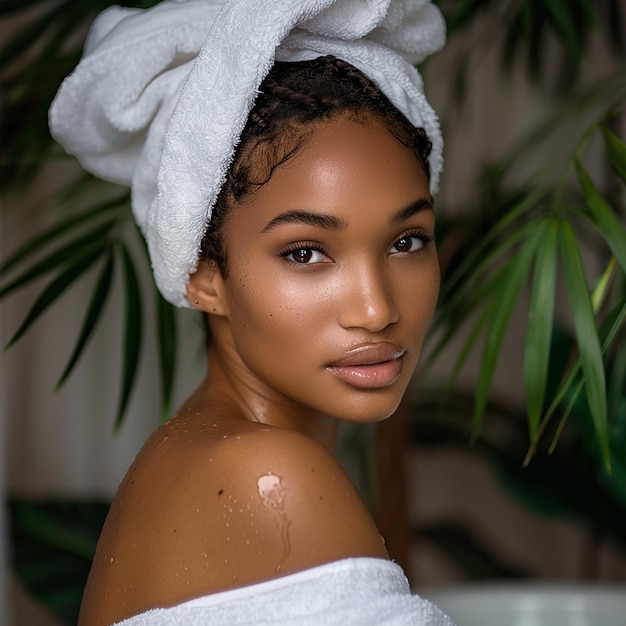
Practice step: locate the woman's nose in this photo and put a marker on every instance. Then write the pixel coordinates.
(367, 301)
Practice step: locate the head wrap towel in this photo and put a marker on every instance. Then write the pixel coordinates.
(160, 97)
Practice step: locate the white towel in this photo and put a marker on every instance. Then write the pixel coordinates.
(359, 591)
(161, 96)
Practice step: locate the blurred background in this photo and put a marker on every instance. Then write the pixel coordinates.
(525, 90)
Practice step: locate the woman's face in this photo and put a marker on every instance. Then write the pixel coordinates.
(333, 275)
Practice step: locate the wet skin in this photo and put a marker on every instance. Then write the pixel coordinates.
(333, 278)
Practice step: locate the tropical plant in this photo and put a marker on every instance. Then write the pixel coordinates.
(88, 234)
(527, 235)
(540, 222)
(530, 231)
(523, 227)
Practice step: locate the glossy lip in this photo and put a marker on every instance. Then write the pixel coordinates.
(370, 366)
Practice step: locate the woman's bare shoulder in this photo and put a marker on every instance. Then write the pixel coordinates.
(203, 510)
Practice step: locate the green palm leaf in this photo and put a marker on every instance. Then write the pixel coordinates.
(539, 327)
(470, 342)
(586, 335)
(502, 310)
(603, 217)
(59, 230)
(167, 342)
(132, 331)
(608, 333)
(74, 252)
(482, 256)
(615, 152)
(454, 314)
(57, 287)
(96, 306)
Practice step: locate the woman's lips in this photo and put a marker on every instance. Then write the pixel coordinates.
(369, 366)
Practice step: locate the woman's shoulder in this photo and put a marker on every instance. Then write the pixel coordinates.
(258, 481)
(209, 506)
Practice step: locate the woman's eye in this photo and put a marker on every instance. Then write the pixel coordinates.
(408, 243)
(305, 256)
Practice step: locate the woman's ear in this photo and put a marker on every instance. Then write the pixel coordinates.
(206, 289)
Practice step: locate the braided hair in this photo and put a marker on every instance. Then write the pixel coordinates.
(291, 99)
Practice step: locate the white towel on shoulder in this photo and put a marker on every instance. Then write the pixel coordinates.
(358, 591)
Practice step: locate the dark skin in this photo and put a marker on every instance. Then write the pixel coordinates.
(333, 279)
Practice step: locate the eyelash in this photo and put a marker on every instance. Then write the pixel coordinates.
(303, 245)
(426, 238)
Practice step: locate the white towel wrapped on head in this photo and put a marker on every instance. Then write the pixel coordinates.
(359, 592)
(161, 96)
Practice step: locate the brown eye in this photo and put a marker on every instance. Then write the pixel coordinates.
(305, 255)
(408, 243)
(404, 244)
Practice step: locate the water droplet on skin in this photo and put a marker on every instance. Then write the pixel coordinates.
(272, 495)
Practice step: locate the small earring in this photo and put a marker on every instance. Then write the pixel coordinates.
(196, 301)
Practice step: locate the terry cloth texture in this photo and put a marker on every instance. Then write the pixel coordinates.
(160, 97)
(359, 591)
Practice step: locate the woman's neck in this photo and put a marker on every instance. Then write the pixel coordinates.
(230, 384)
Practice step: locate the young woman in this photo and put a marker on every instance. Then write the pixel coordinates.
(318, 276)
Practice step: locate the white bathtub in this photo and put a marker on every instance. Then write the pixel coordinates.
(532, 604)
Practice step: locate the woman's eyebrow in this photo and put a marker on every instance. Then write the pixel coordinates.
(296, 216)
(411, 209)
(330, 222)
